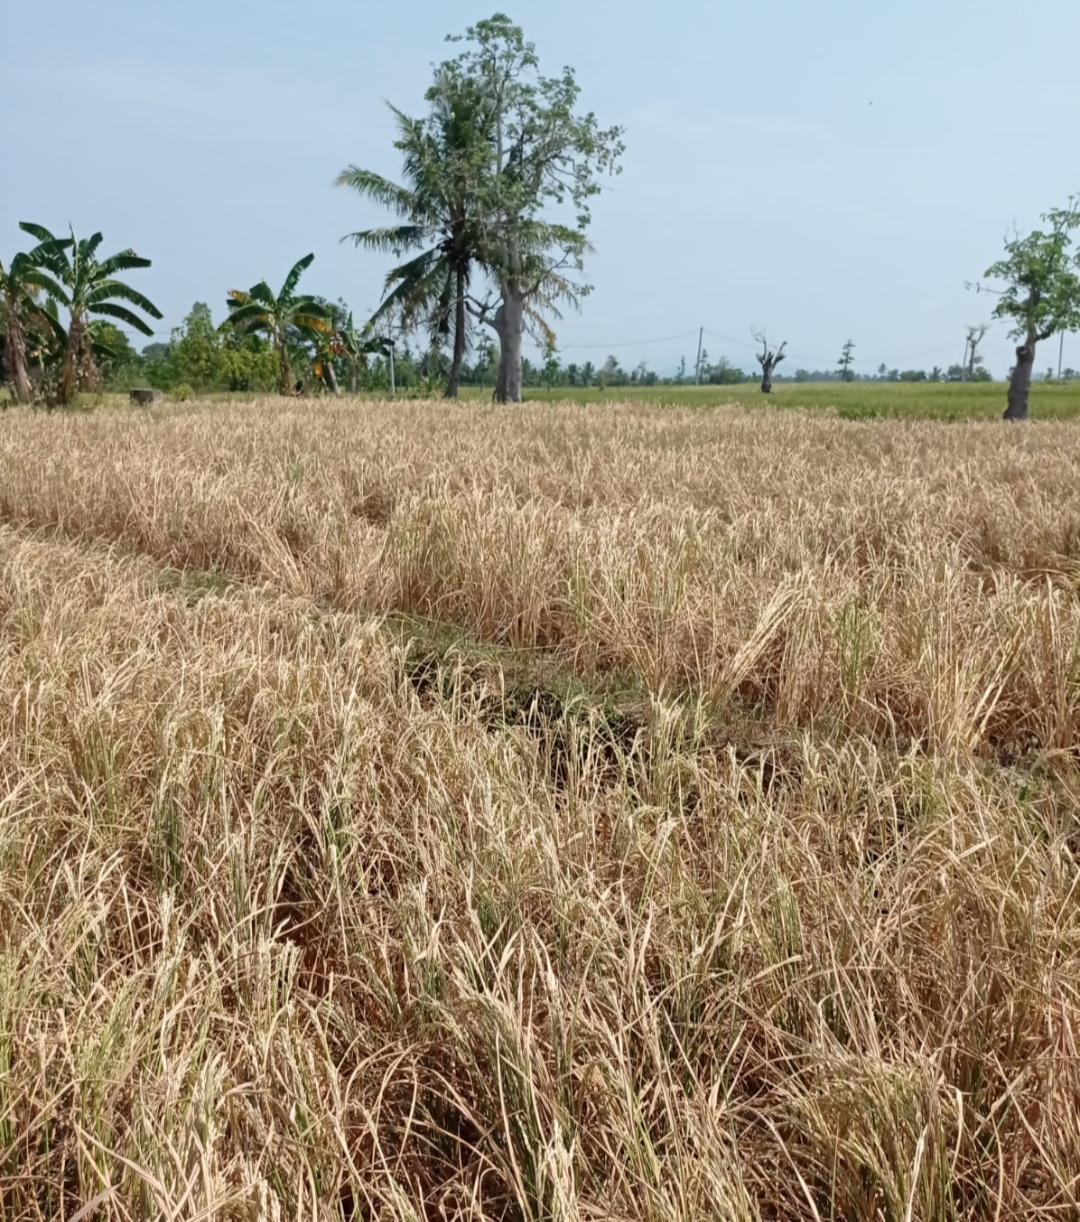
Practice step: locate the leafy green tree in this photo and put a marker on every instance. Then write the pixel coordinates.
(444, 155)
(112, 349)
(75, 279)
(543, 155)
(281, 317)
(552, 370)
(197, 348)
(588, 373)
(248, 363)
(724, 373)
(847, 374)
(161, 369)
(484, 369)
(1041, 294)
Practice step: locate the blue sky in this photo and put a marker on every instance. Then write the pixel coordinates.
(824, 169)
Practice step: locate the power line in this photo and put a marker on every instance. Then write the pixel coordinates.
(636, 343)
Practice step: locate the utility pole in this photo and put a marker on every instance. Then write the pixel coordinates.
(697, 367)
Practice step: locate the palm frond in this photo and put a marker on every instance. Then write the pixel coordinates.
(412, 292)
(122, 262)
(262, 293)
(109, 289)
(381, 190)
(40, 232)
(308, 322)
(125, 316)
(393, 238)
(42, 280)
(293, 278)
(251, 316)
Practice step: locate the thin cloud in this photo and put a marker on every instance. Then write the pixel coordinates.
(222, 105)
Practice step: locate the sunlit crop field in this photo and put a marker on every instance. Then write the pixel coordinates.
(415, 811)
(850, 401)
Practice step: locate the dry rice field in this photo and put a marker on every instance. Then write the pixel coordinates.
(413, 811)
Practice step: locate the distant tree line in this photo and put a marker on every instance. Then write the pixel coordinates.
(488, 227)
(202, 356)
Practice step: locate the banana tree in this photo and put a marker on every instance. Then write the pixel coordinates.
(70, 271)
(358, 344)
(338, 338)
(326, 346)
(278, 316)
(23, 319)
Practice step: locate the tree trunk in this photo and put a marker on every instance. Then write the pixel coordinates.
(284, 370)
(460, 324)
(1020, 382)
(16, 355)
(331, 377)
(510, 326)
(766, 379)
(66, 391)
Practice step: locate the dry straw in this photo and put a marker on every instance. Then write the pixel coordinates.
(562, 813)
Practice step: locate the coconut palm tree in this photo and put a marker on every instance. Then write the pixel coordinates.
(278, 316)
(440, 211)
(73, 276)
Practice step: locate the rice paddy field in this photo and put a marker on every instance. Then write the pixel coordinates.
(560, 813)
(849, 401)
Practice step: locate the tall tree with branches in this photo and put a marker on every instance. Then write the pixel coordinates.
(544, 155)
(975, 336)
(445, 156)
(282, 317)
(70, 271)
(1041, 295)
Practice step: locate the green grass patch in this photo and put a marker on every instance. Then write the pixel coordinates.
(851, 400)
